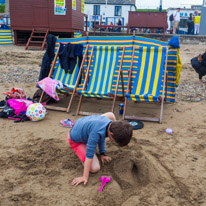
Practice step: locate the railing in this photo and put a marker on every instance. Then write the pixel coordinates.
(112, 27)
(130, 30)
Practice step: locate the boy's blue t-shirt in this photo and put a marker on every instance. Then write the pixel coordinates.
(92, 131)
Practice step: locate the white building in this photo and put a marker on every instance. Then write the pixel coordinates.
(109, 11)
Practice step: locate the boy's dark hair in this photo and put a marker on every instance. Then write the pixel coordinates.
(122, 132)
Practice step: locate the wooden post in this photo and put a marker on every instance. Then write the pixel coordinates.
(163, 91)
(100, 25)
(15, 37)
(164, 29)
(86, 22)
(121, 73)
(129, 82)
(94, 23)
(115, 95)
(81, 70)
(85, 81)
(166, 86)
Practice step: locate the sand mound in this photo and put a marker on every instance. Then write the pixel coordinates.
(41, 164)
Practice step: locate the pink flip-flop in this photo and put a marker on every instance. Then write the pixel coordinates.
(67, 123)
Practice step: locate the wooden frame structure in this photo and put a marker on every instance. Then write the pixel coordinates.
(161, 99)
(110, 96)
(121, 77)
(80, 73)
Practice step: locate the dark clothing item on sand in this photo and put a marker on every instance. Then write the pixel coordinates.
(199, 65)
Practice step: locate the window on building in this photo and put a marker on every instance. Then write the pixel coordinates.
(97, 9)
(117, 11)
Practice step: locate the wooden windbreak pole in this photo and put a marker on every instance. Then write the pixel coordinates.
(129, 82)
(121, 73)
(85, 81)
(81, 70)
(163, 91)
(120, 68)
(166, 86)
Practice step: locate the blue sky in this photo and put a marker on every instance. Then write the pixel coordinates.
(153, 4)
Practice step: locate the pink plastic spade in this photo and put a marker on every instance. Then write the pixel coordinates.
(104, 180)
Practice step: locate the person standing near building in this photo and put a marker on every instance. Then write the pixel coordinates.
(197, 24)
(111, 28)
(102, 28)
(190, 24)
(176, 17)
(195, 13)
(119, 24)
(171, 18)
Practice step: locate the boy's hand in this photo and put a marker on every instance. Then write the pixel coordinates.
(84, 178)
(105, 159)
(79, 180)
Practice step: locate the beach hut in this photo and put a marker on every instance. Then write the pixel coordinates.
(32, 20)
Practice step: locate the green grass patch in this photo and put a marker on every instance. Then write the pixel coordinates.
(2, 8)
(151, 10)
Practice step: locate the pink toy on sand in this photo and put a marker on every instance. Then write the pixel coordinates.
(104, 180)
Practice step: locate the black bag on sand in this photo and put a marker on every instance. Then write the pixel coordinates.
(46, 98)
(7, 112)
(196, 64)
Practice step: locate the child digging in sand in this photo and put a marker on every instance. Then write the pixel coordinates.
(90, 131)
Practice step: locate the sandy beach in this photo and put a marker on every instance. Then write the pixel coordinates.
(37, 165)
